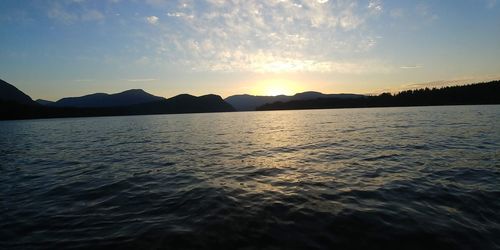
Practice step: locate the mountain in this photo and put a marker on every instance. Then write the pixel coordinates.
(126, 98)
(44, 102)
(315, 95)
(9, 93)
(480, 93)
(184, 103)
(175, 105)
(251, 102)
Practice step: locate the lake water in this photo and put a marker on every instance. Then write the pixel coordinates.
(379, 178)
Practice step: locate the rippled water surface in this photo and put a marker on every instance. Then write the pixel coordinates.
(403, 178)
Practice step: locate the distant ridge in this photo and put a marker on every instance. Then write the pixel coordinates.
(9, 93)
(125, 98)
(44, 102)
(472, 94)
(251, 102)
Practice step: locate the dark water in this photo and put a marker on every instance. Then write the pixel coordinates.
(402, 178)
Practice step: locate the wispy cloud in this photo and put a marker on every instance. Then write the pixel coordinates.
(92, 15)
(152, 20)
(411, 67)
(157, 3)
(141, 80)
(375, 6)
(491, 3)
(397, 13)
(60, 12)
(265, 36)
(425, 11)
(450, 82)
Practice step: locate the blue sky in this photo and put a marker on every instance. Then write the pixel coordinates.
(52, 49)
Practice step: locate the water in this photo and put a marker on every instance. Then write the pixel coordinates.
(402, 178)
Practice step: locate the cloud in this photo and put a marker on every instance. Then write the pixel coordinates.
(92, 15)
(60, 12)
(491, 3)
(157, 3)
(267, 62)
(450, 82)
(375, 6)
(265, 36)
(152, 20)
(83, 80)
(397, 13)
(410, 67)
(141, 80)
(16, 16)
(426, 12)
(144, 60)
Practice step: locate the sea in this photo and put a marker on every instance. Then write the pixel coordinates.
(373, 178)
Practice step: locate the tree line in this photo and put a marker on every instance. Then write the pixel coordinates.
(472, 94)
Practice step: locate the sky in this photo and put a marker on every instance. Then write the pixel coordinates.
(52, 49)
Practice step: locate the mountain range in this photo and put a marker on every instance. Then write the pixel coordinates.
(125, 98)
(14, 104)
(252, 102)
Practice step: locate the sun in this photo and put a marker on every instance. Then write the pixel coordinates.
(276, 87)
(275, 90)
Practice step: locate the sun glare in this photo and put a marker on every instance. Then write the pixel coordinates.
(276, 87)
(276, 90)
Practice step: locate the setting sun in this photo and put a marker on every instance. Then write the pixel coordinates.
(276, 87)
(275, 90)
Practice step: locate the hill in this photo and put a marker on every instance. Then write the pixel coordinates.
(251, 102)
(185, 103)
(126, 98)
(44, 102)
(23, 107)
(9, 93)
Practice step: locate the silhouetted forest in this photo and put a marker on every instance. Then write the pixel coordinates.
(479, 93)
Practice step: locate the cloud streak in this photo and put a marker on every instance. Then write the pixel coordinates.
(411, 67)
(141, 80)
(450, 82)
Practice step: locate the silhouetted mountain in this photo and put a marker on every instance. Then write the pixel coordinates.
(315, 95)
(126, 98)
(251, 102)
(184, 103)
(175, 105)
(44, 102)
(9, 93)
(480, 93)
